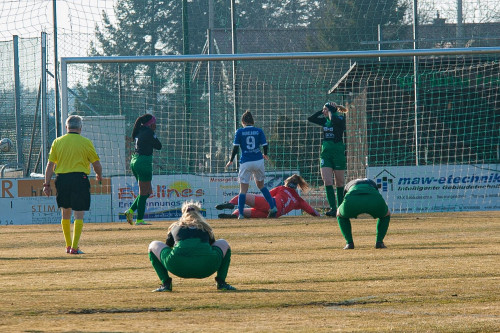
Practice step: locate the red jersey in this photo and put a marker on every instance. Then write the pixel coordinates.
(287, 199)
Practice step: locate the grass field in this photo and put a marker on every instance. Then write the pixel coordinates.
(440, 273)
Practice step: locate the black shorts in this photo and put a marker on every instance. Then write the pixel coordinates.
(73, 191)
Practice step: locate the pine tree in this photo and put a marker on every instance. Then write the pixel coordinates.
(353, 24)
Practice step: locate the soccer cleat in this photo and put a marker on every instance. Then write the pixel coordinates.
(228, 216)
(241, 217)
(380, 245)
(226, 205)
(141, 222)
(349, 246)
(331, 213)
(272, 212)
(76, 251)
(68, 249)
(164, 287)
(130, 216)
(224, 286)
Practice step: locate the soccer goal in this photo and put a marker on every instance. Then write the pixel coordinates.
(424, 124)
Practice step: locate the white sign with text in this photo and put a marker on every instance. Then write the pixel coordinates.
(439, 188)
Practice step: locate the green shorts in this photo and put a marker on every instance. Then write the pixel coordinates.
(142, 167)
(333, 156)
(363, 199)
(192, 258)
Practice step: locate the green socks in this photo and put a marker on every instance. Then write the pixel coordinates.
(382, 226)
(160, 270)
(141, 206)
(133, 208)
(345, 228)
(330, 197)
(224, 267)
(340, 195)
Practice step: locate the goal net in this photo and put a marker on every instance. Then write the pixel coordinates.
(430, 140)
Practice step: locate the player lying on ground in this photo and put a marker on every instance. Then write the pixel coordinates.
(285, 197)
(361, 196)
(191, 251)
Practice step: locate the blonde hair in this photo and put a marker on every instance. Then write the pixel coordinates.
(299, 181)
(192, 218)
(333, 107)
(342, 108)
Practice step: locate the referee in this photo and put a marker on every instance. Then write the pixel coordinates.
(70, 158)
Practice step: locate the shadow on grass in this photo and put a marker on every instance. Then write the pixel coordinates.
(131, 310)
(62, 257)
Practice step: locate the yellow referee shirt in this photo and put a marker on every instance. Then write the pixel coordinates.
(72, 153)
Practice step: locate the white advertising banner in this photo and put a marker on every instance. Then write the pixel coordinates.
(14, 212)
(22, 202)
(43, 210)
(171, 191)
(439, 188)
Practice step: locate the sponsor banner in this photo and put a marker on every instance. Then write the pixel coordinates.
(14, 212)
(439, 188)
(8, 188)
(171, 191)
(34, 187)
(23, 202)
(43, 210)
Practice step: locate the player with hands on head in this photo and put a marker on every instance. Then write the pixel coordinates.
(285, 196)
(362, 197)
(249, 139)
(141, 164)
(333, 161)
(70, 158)
(191, 251)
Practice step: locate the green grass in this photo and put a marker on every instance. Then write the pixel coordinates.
(440, 273)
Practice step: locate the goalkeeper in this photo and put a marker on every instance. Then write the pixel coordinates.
(191, 251)
(285, 197)
(362, 197)
(333, 160)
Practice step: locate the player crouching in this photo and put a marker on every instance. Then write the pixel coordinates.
(191, 251)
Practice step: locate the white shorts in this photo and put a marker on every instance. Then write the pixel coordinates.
(255, 168)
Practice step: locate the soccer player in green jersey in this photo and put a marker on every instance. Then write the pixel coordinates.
(191, 251)
(362, 197)
(142, 164)
(333, 160)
